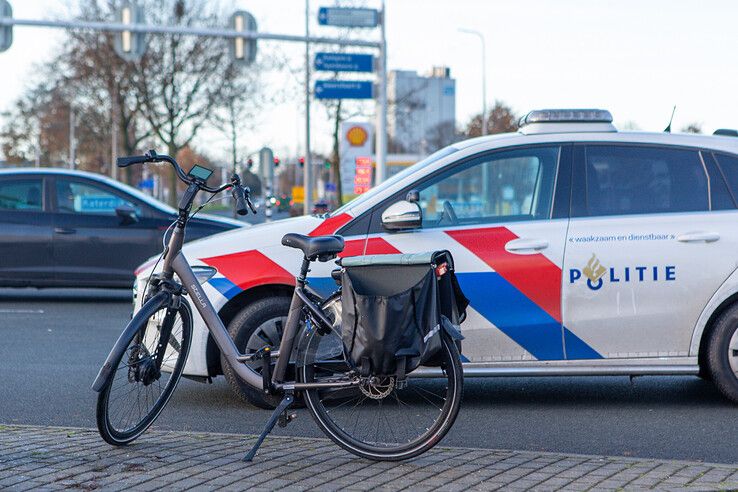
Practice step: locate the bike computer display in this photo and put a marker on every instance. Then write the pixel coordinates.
(200, 173)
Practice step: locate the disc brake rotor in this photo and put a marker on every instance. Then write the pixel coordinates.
(377, 388)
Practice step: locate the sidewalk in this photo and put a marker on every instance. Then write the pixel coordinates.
(34, 457)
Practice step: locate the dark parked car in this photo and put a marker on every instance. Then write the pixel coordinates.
(71, 228)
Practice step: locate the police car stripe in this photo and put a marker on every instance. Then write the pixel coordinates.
(331, 225)
(226, 288)
(250, 269)
(533, 275)
(513, 313)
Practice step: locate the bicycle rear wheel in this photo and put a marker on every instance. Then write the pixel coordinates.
(145, 375)
(383, 419)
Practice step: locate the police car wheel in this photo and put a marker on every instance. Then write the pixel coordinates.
(722, 353)
(255, 326)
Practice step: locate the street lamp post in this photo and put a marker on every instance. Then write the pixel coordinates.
(484, 75)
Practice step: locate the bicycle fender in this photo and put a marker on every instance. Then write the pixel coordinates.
(149, 308)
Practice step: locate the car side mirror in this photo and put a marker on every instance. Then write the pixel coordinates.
(402, 215)
(127, 214)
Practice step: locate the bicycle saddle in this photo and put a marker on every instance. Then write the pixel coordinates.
(320, 247)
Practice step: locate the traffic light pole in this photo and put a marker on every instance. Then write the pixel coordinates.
(381, 133)
(185, 31)
(308, 167)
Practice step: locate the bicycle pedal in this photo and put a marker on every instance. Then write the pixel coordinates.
(286, 418)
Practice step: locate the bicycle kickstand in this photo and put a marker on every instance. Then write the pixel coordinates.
(281, 408)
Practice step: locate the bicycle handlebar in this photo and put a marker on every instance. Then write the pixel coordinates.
(131, 160)
(239, 196)
(240, 193)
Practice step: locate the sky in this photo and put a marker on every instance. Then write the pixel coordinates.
(636, 58)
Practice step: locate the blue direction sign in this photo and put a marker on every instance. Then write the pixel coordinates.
(344, 62)
(348, 17)
(344, 89)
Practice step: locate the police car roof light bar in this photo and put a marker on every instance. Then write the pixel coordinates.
(567, 116)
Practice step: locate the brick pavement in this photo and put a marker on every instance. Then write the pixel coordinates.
(52, 458)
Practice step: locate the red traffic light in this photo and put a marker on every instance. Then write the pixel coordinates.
(301, 160)
(276, 161)
(250, 162)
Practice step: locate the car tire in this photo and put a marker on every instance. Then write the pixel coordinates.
(253, 317)
(722, 353)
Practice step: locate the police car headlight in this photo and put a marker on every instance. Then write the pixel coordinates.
(203, 273)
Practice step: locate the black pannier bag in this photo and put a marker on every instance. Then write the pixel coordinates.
(394, 308)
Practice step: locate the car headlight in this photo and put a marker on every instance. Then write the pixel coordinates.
(203, 273)
(135, 293)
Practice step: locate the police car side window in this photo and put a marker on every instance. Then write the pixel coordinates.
(626, 180)
(729, 166)
(503, 186)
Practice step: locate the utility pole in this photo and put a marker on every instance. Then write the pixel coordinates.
(308, 168)
(381, 137)
(484, 76)
(113, 136)
(38, 149)
(72, 143)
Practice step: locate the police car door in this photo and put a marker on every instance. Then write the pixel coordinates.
(644, 253)
(493, 211)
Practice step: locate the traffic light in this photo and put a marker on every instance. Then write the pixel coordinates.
(276, 162)
(129, 45)
(301, 161)
(327, 164)
(243, 51)
(6, 32)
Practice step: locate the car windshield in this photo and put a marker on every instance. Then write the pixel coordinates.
(440, 154)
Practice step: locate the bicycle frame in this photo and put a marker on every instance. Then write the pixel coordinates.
(175, 262)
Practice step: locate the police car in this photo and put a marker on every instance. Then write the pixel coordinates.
(583, 250)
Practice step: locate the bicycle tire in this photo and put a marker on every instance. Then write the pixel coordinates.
(106, 428)
(450, 356)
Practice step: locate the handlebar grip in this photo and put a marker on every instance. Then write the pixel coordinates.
(131, 160)
(240, 196)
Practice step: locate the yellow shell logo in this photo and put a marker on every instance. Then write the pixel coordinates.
(356, 136)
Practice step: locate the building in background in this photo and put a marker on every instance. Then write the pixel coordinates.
(421, 116)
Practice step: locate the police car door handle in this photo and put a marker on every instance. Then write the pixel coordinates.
(698, 237)
(525, 245)
(64, 230)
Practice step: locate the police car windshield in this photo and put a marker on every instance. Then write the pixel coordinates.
(440, 154)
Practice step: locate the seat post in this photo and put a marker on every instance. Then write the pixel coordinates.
(304, 269)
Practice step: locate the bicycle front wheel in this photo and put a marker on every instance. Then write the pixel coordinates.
(383, 419)
(145, 375)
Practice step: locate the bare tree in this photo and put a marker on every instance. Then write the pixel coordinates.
(442, 135)
(693, 127)
(181, 77)
(106, 80)
(501, 119)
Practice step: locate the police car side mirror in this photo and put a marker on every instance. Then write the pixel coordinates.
(402, 215)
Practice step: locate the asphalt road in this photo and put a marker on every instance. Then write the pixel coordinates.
(52, 343)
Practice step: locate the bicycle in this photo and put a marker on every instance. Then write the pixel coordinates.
(375, 417)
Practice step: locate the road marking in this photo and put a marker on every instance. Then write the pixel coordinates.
(21, 311)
